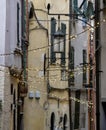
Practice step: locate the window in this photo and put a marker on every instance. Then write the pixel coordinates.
(52, 121)
(90, 73)
(76, 9)
(11, 89)
(71, 66)
(77, 110)
(84, 67)
(63, 28)
(65, 122)
(75, 6)
(84, 5)
(64, 75)
(56, 46)
(53, 30)
(18, 40)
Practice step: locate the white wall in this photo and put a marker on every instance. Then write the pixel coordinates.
(8, 43)
(11, 33)
(2, 29)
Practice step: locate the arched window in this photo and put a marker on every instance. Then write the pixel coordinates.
(52, 121)
(65, 122)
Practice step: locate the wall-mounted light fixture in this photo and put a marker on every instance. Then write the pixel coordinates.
(15, 72)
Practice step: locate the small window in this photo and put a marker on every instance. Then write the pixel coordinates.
(52, 121)
(11, 89)
(65, 122)
(76, 9)
(64, 75)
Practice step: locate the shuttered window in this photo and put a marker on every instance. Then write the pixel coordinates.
(85, 5)
(90, 10)
(91, 73)
(84, 66)
(63, 28)
(84, 12)
(72, 65)
(18, 40)
(76, 9)
(75, 5)
(53, 30)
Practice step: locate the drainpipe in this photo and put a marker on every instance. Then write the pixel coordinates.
(24, 31)
(97, 44)
(27, 22)
(69, 90)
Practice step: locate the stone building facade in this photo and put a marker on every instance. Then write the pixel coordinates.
(101, 69)
(11, 65)
(47, 104)
(60, 81)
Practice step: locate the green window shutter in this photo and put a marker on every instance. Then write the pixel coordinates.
(53, 30)
(84, 12)
(85, 5)
(71, 65)
(72, 58)
(85, 8)
(84, 66)
(91, 73)
(18, 24)
(77, 110)
(76, 9)
(90, 10)
(75, 3)
(63, 29)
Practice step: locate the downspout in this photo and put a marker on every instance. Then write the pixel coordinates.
(27, 22)
(69, 90)
(24, 40)
(97, 44)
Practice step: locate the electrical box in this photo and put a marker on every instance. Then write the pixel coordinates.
(31, 94)
(37, 94)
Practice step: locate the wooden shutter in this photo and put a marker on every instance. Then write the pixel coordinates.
(77, 10)
(90, 10)
(63, 28)
(75, 2)
(53, 30)
(72, 65)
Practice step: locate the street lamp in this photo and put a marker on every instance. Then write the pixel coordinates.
(58, 42)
